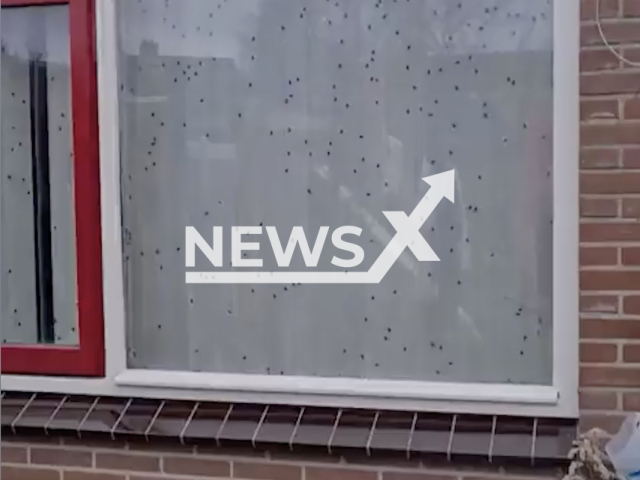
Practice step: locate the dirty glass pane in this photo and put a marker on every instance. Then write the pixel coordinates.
(37, 226)
(313, 113)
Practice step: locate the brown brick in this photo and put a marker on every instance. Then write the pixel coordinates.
(631, 305)
(85, 475)
(124, 461)
(630, 53)
(631, 208)
(609, 280)
(598, 304)
(608, 9)
(599, 328)
(631, 401)
(631, 157)
(598, 207)
(599, 158)
(98, 442)
(609, 377)
(51, 440)
(161, 446)
(596, 60)
(631, 256)
(614, 31)
(156, 477)
(610, 232)
(611, 134)
(631, 354)
(598, 110)
(598, 400)
(631, 8)
(61, 456)
(325, 473)
(11, 454)
(266, 471)
(28, 473)
(607, 422)
(598, 256)
(598, 352)
(610, 182)
(606, 83)
(416, 476)
(196, 466)
(632, 108)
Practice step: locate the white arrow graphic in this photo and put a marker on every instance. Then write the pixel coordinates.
(407, 236)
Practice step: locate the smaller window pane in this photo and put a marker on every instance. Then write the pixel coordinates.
(37, 233)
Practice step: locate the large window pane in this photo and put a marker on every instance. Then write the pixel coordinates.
(37, 239)
(312, 113)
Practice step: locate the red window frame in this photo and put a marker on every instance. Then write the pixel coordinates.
(87, 358)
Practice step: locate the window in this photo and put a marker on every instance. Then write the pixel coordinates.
(313, 114)
(50, 257)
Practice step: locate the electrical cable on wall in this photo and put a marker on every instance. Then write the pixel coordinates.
(606, 42)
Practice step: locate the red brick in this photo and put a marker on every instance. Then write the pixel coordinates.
(608, 9)
(631, 8)
(598, 207)
(28, 473)
(607, 422)
(631, 305)
(266, 471)
(322, 473)
(631, 208)
(596, 60)
(609, 377)
(61, 456)
(631, 108)
(598, 352)
(631, 157)
(610, 182)
(123, 461)
(599, 158)
(631, 401)
(598, 328)
(609, 232)
(598, 304)
(631, 354)
(611, 134)
(590, 256)
(614, 31)
(196, 466)
(606, 83)
(85, 475)
(598, 110)
(631, 256)
(598, 400)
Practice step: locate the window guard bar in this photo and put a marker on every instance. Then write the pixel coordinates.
(153, 420)
(386, 432)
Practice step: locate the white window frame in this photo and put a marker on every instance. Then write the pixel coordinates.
(557, 400)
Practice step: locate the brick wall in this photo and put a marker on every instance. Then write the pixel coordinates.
(49, 459)
(610, 210)
(609, 304)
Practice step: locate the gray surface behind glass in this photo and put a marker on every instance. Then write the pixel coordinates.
(315, 113)
(18, 304)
